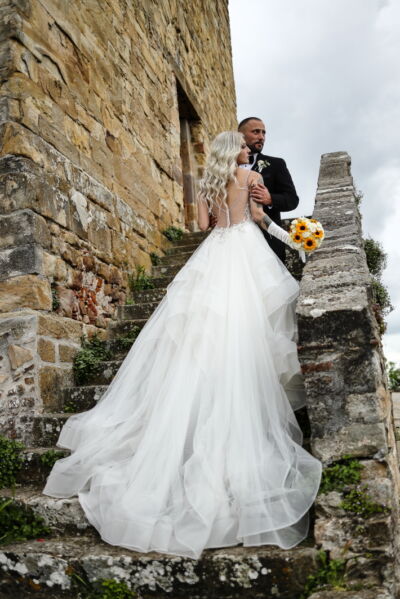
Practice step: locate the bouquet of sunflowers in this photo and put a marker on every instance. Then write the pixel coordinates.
(305, 234)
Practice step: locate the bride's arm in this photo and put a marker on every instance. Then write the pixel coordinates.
(256, 209)
(203, 217)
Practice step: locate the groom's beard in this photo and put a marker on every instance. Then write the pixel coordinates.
(254, 149)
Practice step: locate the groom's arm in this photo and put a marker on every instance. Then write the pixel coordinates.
(284, 196)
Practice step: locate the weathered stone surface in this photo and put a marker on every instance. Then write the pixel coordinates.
(334, 171)
(224, 573)
(24, 227)
(60, 515)
(374, 593)
(51, 380)
(26, 291)
(46, 350)
(19, 355)
(358, 440)
(59, 328)
(79, 399)
(67, 352)
(347, 400)
(34, 470)
(20, 260)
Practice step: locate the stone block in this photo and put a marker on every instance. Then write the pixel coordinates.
(46, 350)
(28, 291)
(68, 302)
(356, 440)
(20, 260)
(51, 382)
(367, 408)
(67, 353)
(352, 535)
(19, 355)
(54, 267)
(335, 170)
(22, 228)
(58, 327)
(16, 140)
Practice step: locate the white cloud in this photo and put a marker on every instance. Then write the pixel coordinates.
(325, 76)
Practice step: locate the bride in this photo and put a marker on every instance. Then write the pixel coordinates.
(195, 443)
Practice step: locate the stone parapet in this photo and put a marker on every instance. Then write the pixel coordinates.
(348, 402)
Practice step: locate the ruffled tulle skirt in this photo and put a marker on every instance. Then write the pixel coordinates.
(195, 443)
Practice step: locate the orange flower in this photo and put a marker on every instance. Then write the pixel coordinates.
(309, 244)
(297, 237)
(301, 227)
(319, 234)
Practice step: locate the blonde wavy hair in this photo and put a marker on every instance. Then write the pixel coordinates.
(220, 168)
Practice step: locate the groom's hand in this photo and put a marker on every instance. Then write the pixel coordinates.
(260, 194)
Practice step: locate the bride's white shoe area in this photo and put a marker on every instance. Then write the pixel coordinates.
(195, 443)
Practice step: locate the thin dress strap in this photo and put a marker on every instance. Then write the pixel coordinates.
(247, 181)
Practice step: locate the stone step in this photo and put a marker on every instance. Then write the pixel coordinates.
(166, 271)
(175, 259)
(41, 430)
(60, 515)
(80, 399)
(162, 282)
(231, 573)
(139, 310)
(190, 248)
(108, 369)
(191, 238)
(123, 328)
(148, 295)
(36, 465)
(118, 349)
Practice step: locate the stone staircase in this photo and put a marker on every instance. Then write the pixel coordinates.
(51, 567)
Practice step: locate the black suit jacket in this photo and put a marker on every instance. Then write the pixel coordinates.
(277, 179)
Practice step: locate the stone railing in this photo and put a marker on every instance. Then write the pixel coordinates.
(348, 402)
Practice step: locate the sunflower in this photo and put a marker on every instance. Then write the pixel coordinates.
(301, 226)
(297, 237)
(319, 234)
(310, 244)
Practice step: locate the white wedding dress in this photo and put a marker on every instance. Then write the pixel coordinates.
(195, 443)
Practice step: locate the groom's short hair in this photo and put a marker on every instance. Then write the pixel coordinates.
(245, 121)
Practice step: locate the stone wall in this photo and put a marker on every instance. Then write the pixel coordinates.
(348, 402)
(106, 109)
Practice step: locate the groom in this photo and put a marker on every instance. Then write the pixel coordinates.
(278, 194)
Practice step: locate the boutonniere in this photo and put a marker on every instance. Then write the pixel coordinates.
(262, 164)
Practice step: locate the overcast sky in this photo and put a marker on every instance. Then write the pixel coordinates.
(325, 76)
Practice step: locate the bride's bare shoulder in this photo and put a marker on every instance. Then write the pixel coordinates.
(242, 174)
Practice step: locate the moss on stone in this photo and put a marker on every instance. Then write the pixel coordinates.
(11, 461)
(50, 457)
(341, 474)
(87, 362)
(330, 575)
(359, 502)
(19, 522)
